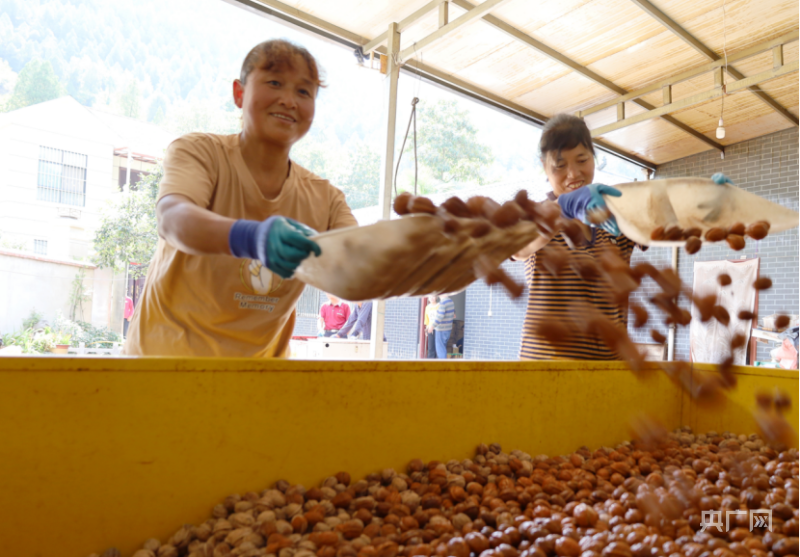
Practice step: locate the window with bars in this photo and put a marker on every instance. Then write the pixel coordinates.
(62, 177)
(309, 303)
(40, 247)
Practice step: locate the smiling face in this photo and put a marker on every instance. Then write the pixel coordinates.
(277, 103)
(569, 170)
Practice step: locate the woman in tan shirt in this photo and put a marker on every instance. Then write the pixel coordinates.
(235, 217)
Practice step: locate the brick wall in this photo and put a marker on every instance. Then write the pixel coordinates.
(402, 328)
(495, 336)
(766, 166)
(305, 326)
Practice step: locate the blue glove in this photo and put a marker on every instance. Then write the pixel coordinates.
(582, 201)
(280, 243)
(720, 178)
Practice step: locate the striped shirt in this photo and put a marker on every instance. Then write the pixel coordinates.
(550, 298)
(445, 314)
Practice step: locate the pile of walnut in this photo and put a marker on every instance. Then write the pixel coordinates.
(641, 498)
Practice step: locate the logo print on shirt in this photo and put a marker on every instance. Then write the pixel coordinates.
(257, 278)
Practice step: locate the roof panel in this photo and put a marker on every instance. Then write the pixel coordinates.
(747, 22)
(513, 70)
(652, 60)
(656, 140)
(521, 16)
(598, 29)
(569, 93)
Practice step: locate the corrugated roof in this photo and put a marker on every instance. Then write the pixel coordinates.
(599, 49)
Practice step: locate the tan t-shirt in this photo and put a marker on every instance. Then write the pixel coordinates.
(219, 305)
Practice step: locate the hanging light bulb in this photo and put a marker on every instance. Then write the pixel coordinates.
(721, 130)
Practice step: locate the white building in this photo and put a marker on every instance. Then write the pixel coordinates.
(60, 163)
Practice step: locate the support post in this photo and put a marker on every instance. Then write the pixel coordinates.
(719, 79)
(620, 112)
(777, 57)
(444, 14)
(672, 329)
(128, 171)
(667, 91)
(387, 174)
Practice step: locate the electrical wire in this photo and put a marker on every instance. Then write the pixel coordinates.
(412, 118)
(725, 54)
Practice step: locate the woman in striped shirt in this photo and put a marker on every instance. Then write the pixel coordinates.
(567, 155)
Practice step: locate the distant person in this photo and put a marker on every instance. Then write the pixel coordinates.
(128, 313)
(430, 315)
(359, 323)
(236, 216)
(443, 324)
(333, 315)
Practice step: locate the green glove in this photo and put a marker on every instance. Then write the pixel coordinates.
(280, 243)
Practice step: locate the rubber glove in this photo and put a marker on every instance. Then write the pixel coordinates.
(720, 178)
(582, 201)
(280, 243)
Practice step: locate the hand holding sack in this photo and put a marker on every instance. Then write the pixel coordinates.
(280, 243)
(587, 202)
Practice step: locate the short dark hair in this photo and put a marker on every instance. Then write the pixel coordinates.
(278, 54)
(564, 131)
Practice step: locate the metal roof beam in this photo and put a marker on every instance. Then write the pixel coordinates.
(308, 19)
(662, 18)
(698, 98)
(404, 24)
(700, 70)
(471, 15)
(582, 70)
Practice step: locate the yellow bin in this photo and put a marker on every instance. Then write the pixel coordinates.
(110, 452)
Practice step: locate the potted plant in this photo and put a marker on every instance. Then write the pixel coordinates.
(55, 342)
(61, 341)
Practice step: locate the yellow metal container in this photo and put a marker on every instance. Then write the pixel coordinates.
(102, 452)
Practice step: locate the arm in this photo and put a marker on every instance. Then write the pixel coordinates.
(192, 229)
(364, 317)
(340, 214)
(348, 324)
(531, 248)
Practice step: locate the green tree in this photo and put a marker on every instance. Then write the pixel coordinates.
(128, 232)
(447, 144)
(37, 83)
(361, 181)
(7, 78)
(129, 100)
(201, 116)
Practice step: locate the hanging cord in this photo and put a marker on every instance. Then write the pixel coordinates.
(725, 53)
(411, 118)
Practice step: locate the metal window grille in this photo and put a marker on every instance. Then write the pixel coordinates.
(62, 177)
(40, 247)
(309, 303)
